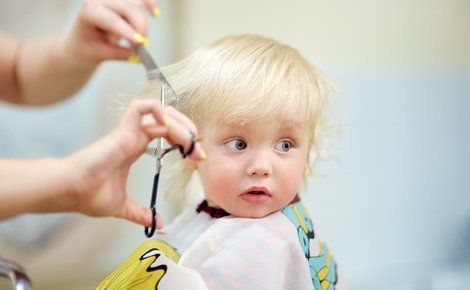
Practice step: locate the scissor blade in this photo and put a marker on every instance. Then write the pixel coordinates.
(151, 67)
(146, 58)
(151, 151)
(153, 72)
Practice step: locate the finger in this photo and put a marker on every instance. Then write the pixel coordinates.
(198, 153)
(133, 11)
(145, 217)
(179, 134)
(138, 108)
(110, 22)
(148, 220)
(181, 118)
(135, 213)
(109, 51)
(154, 130)
(152, 6)
(175, 132)
(160, 222)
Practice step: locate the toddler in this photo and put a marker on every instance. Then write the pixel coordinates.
(258, 106)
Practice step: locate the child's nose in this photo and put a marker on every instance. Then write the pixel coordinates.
(260, 166)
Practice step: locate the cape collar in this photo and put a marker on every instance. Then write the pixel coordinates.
(219, 212)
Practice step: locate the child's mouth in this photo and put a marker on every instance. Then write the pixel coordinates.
(256, 195)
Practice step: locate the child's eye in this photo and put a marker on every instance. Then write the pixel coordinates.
(284, 146)
(237, 144)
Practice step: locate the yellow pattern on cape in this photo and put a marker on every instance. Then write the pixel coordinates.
(139, 271)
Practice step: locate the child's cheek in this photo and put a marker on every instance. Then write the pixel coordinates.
(222, 173)
(292, 177)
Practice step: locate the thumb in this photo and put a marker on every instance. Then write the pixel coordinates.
(109, 51)
(139, 214)
(135, 213)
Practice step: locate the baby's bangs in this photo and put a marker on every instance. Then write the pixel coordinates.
(244, 104)
(237, 94)
(242, 79)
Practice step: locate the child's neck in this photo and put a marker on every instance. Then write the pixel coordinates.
(211, 203)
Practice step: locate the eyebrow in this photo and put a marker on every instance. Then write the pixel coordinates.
(284, 125)
(290, 124)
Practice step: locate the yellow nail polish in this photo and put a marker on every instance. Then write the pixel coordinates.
(146, 42)
(307, 170)
(166, 120)
(139, 38)
(134, 59)
(157, 12)
(203, 154)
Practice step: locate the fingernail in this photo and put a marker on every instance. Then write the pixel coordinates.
(307, 170)
(203, 154)
(134, 59)
(157, 12)
(166, 120)
(140, 39)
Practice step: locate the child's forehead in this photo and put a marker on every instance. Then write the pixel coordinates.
(280, 123)
(280, 119)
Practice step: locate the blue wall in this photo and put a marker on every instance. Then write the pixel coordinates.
(400, 190)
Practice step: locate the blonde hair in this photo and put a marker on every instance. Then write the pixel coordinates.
(245, 78)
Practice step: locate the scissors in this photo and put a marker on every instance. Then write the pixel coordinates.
(153, 75)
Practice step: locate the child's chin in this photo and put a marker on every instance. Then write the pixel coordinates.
(255, 214)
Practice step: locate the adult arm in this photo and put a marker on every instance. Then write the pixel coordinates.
(93, 180)
(47, 70)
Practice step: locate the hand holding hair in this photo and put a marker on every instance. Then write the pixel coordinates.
(46, 70)
(101, 23)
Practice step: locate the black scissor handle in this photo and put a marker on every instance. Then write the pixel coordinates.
(191, 146)
(150, 231)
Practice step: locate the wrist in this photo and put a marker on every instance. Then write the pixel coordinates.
(54, 188)
(68, 54)
(81, 177)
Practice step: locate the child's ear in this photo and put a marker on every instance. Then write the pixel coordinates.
(189, 164)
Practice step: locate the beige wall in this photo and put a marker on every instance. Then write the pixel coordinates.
(337, 32)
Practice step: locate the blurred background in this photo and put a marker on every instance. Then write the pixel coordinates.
(393, 201)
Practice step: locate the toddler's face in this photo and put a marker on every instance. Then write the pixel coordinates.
(256, 169)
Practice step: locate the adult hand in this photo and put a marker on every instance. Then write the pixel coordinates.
(46, 70)
(101, 23)
(102, 168)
